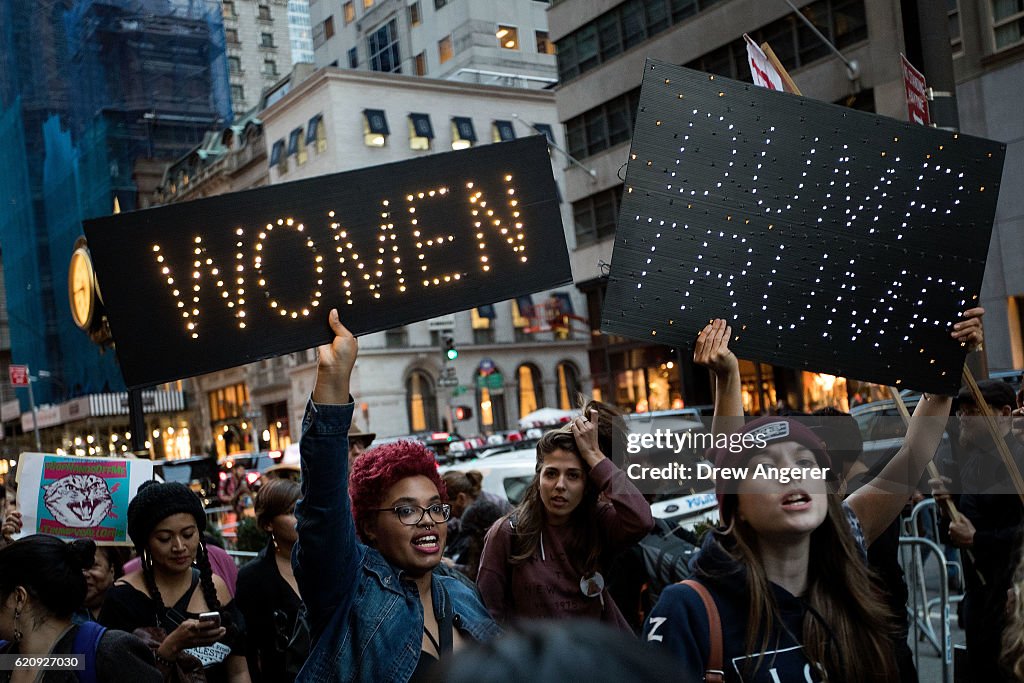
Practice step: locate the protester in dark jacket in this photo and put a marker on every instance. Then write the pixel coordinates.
(785, 617)
(268, 594)
(41, 585)
(377, 610)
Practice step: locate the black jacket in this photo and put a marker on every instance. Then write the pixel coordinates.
(269, 606)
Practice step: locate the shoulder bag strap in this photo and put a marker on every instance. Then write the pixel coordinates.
(714, 673)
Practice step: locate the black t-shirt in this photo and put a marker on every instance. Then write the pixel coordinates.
(269, 605)
(126, 608)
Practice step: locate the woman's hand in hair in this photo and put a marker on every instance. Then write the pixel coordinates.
(336, 362)
(584, 430)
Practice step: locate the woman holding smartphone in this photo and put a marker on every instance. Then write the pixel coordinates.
(185, 610)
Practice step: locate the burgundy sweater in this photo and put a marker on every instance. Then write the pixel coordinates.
(549, 586)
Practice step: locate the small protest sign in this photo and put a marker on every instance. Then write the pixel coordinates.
(75, 497)
(199, 286)
(832, 240)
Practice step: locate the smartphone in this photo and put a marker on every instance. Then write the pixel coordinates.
(210, 618)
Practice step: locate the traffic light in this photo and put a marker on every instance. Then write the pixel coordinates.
(463, 412)
(450, 352)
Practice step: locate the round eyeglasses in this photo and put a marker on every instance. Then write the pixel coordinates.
(411, 515)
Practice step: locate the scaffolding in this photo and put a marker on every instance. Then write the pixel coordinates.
(90, 92)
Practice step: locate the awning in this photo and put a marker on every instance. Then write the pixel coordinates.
(376, 121)
(421, 125)
(276, 152)
(548, 132)
(504, 130)
(293, 141)
(311, 128)
(463, 128)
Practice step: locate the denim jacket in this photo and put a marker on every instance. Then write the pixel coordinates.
(366, 623)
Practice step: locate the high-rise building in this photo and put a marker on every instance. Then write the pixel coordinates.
(480, 41)
(301, 31)
(601, 51)
(91, 93)
(258, 41)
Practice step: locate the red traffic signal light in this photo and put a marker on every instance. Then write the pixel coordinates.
(463, 412)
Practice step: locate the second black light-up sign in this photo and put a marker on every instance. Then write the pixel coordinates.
(832, 240)
(200, 286)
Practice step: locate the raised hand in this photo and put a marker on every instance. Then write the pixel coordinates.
(969, 331)
(336, 362)
(712, 348)
(584, 430)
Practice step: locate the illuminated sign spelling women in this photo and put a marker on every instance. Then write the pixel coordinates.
(198, 286)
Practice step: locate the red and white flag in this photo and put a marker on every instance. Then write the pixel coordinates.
(761, 69)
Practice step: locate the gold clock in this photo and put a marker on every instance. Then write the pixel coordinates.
(82, 288)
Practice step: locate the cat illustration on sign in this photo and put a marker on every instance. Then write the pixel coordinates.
(78, 500)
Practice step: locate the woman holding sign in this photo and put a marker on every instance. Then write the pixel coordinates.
(782, 590)
(368, 546)
(186, 611)
(546, 558)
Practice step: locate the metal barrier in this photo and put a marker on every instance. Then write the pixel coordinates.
(243, 555)
(921, 606)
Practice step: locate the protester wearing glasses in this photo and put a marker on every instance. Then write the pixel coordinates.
(368, 546)
(549, 557)
(785, 576)
(268, 595)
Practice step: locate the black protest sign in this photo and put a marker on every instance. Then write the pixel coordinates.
(832, 240)
(200, 286)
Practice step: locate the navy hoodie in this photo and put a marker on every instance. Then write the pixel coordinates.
(679, 623)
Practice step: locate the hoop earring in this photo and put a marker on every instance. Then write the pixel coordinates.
(147, 559)
(17, 631)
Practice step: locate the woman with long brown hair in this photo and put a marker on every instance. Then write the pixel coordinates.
(785, 573)
(546, 558)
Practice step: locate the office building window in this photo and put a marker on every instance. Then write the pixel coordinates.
(544, 44)
(1007, 22)
(263, 13)
(267, 39)
(955, 40)
(367, 4)
(603, 126)
(269, 67)
(349, 10)
(237, 94)
(463, 133)
(397, 338)
(421, 64)
(508, 37)
(317, 132)
(414, 14)
(421, 402)
(228, 9)
(444, 49)
(235, 65)
(438, 4)
(502, 131)
(382, 49)
(231, 36)
(421, 132)
(594, 217)
(353, 58)
(375, 128)
(531, 389)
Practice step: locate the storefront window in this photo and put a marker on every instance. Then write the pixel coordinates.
(821, 390)
(568, 385)
(421, 402)
(758, 387)
(531, 395)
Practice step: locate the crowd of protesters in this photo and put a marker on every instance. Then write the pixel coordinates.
(380, 569)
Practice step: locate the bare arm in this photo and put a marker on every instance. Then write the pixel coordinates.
(880, 501)
(712, 351)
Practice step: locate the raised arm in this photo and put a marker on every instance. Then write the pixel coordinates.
(712, 351)
(880, 501)
(326, 556)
